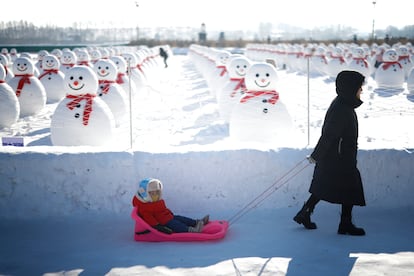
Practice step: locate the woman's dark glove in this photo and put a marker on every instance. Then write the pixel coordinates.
(310, 159)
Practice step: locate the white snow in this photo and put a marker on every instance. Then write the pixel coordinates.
(66, 210)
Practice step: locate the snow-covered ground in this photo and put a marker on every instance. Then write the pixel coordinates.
(66, 211)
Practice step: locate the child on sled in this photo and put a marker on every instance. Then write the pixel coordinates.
(153, 210)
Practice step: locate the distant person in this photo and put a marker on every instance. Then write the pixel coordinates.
(152, 209)
(336, 178)
(164, 55)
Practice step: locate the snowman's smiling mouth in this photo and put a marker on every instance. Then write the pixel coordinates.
(103, 75)
(242, 74)
(79, 88)
(261, 85)
(22, 69)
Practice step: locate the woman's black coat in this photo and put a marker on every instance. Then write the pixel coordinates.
(336, 178)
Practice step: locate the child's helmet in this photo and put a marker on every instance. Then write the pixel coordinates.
(147, 185)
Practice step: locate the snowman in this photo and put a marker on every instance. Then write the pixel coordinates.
(82, 118)
(143, 61)
(39, 63)
(5, 52)
(138, 79)
(36, 71)
(13, 54)
(4, 60)
(28, 88)
(83, 57)
(95, 55)
(390, 75)
(122, 78)
(219, 76)
(410, 82)
(293, 51)
(319, 60)
(104, 53)
(336, 62)
(52, 79)
(9, 104)
(67, 60)
(235, 87)
(57, 53)
(260, 115)
(303, 59)
(404, 59)
(359, 62)
(110, 91)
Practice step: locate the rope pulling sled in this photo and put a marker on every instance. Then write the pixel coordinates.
(281, 181)
(215, 229)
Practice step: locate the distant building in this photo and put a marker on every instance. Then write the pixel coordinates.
(202, 35)
(221, 40)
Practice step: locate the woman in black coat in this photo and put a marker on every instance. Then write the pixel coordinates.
(336, 178)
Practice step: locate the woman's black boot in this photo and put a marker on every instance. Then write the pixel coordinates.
(303, 217)
(347, 227)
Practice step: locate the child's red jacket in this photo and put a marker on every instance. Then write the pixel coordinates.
(153, 212)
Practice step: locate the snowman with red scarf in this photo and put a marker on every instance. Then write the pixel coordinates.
(29, 90)
(52, 79)
(82, 118)
(260, 115)
(109, 90)
(9, 104)
(228, 96)
(390, 75)
(359, 62)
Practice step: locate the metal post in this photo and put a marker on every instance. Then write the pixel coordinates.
(373, 21)
(308, 69)
(130, 105)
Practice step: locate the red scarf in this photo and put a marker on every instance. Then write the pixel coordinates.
(88, 107)
(341, 59)
(23, 80)
(363, 60)
(106, 85)
(240, 85)
(251, 94)
(223, 71)
(139, 66)
(387, 64)
(84, 62)
(119, 78)
(48, 71)
(404, 58)
(324, 58)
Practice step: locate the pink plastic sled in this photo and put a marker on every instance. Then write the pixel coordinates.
(214, 230)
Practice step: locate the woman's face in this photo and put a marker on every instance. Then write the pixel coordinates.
(359, 92)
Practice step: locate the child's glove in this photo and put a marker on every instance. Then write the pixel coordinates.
(163, 229)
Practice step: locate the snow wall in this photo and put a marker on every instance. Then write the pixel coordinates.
(58, 184)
